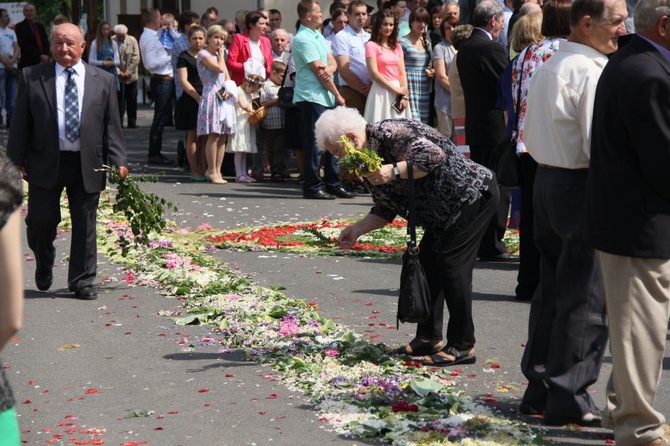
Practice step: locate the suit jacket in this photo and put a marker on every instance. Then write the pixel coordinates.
(130, 58)
(33, 140)
(628, 193)
(30, 51)
(240, 52)
(480, 62)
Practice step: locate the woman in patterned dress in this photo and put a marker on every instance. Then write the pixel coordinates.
(211, 118)
(104, 52)
(455, 200)
(418, 52)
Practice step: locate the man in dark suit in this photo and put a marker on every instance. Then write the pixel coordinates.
(480, 61)
(628, 221)
(32, 38)
(67, 126)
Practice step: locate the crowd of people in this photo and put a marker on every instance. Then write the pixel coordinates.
(401, 81)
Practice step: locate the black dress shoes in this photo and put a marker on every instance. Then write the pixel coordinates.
(504, 257)
(87, 292)
(43, 280)
(160, 160)
(320, 195)
(340, 192)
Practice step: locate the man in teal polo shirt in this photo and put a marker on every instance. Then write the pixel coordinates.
(315, 91)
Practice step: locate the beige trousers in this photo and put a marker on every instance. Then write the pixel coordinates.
(637, 293)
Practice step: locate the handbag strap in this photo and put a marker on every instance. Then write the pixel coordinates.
(411, 223)
(288, 62)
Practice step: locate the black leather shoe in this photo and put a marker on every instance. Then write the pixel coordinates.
(160, 160)
(340, 192)
(87, 292)
(504, 257)
(320, 195)
(43, 280)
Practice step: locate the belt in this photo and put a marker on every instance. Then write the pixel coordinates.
(544, 166)
(165, 77)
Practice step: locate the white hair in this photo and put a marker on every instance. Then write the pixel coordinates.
(120, 29)
(335, 123)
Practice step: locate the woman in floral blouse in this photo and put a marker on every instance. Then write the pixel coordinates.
(455, 199)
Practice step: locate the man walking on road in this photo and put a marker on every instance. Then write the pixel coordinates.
(66, 127)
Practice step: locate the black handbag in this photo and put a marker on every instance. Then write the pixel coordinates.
(285, 94)
(414, 301)
(504, 160)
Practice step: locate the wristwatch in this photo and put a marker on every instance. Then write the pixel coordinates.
(396, 171)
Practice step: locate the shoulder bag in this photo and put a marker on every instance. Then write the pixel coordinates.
(285, 94)
(414, 301)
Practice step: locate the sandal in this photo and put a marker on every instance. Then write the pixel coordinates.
(451, 356)
(419, 347)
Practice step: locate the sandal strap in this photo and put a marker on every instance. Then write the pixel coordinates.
(458, 354)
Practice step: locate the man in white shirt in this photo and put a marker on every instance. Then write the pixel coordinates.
(9, 53)
(159, 64)
(349, 51)
(279, 41)
(568, 325)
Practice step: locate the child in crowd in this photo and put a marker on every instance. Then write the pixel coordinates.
(243, 141)
(274, 122)
(168, 33)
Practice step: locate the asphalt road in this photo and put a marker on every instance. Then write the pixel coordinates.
(130, 359)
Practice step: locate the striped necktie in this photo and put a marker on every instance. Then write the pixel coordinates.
(71, 107)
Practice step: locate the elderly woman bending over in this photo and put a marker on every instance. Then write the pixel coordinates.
(455, 200)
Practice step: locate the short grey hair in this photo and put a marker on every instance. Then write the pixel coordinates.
(55, 29)
(120, 29)
(277, 31)
(647, 13)
(485, 11)
(335, 123)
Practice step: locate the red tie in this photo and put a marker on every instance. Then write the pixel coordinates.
(37, 36)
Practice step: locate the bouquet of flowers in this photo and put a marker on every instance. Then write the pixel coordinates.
(359, 161)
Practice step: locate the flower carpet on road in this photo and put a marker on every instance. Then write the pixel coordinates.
(355, 385)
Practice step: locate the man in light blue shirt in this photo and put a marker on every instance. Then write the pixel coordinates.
(349, 51)
(315, 91)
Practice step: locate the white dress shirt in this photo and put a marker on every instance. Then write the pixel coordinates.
(560, 106)
(61, 80)
(154, 56)
(349, 43)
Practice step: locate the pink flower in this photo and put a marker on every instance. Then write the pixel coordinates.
(288, 328)
(205, 226)
(332, 352)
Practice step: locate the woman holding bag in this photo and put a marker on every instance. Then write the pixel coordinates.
(455, 199)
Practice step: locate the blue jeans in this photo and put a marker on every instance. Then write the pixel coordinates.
(310, 112)
(162, 93)
(7, 93)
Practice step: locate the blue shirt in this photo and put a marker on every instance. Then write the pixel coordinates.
(309, 46)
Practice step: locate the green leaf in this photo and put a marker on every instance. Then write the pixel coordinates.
(138, 414)
(424, 386)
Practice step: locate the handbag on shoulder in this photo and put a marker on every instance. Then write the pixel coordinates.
(414, 301)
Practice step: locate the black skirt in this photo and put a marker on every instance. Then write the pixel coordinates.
(186, 114)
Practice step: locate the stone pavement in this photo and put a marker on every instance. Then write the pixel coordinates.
(129, 358)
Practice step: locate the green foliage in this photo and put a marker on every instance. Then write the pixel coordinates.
(144, 211)
(359, 161)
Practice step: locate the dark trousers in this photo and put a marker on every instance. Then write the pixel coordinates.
(310, 112)
(258, 159)
(448, 268)
(529, 265)
(274, 140)
(162, 93)
(567, 330)
(44, 215)
(492, 244)
(128, 102)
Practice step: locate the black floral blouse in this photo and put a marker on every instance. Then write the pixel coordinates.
(453, 181)
(11, 195)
